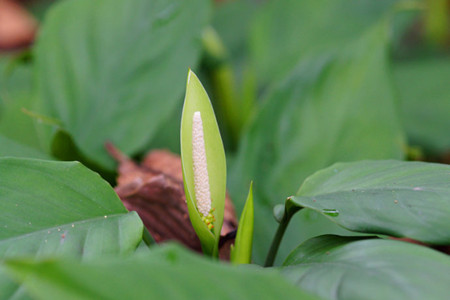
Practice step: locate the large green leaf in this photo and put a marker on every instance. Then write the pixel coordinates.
(41, 200)
(168, 272)
(335, 267)
(113, 70)
(54, 208)
(290, 30)
(425, 94)
(196, 100)
(332, 108)
(403, 199)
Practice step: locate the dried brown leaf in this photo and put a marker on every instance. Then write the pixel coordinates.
(154, 189)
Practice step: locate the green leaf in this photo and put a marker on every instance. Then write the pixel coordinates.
(332, 108)
(167, 272)
(9, 147)
(16, 96)
(291, 30)
(403, 199)
(58, 208)
(425, 94)
(196, 100)
(241, 253)
(9, 289)
(113, 70)
(335, 267)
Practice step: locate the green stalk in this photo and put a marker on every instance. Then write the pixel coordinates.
(279, 236)
(223, 82)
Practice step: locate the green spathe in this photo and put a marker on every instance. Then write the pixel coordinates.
(196, 100)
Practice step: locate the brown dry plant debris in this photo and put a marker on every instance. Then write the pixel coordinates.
(17, 26)
(154, 189)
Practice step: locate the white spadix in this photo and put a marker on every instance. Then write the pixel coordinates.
(201, 179)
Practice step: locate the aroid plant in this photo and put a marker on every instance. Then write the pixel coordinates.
(204, 166)
(204, 174)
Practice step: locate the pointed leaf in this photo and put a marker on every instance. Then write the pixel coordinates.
(241, 253)
(403, 199)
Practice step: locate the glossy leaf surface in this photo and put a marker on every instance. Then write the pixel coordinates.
(402, 199)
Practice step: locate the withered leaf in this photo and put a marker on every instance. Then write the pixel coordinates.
(154, 189)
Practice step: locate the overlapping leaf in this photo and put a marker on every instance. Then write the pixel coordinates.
(164, 273)
(403, 199)
(336, 107)
(285, 32)
(113, 70)
(63, 209)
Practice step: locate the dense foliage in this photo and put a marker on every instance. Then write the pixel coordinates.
(320, 103)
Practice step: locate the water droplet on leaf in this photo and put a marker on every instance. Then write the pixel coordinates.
(330, 212)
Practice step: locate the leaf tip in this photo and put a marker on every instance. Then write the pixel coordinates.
(190, 74)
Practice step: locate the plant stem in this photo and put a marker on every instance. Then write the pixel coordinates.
(278, 237)
(223, 82)
(147, 237)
